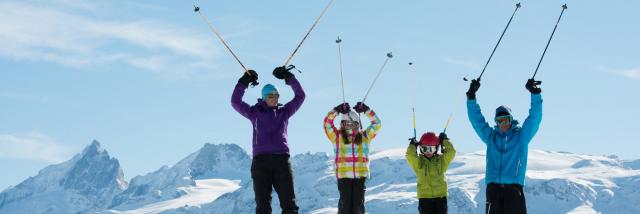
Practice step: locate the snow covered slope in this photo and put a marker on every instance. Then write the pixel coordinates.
(557, 182)
(83, 184)
(216, 179)
(227, 162)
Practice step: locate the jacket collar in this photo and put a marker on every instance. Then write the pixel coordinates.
(262, 104)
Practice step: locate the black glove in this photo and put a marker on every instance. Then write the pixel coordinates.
(249, 77)
(532, 86)
(442, 137)
(361, 107)
(473, 88)
(343, 108)
(413, 141)
(282, 73)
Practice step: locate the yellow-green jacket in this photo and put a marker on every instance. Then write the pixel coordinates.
(432, 182)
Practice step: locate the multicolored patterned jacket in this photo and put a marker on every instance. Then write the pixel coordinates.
(352, 160)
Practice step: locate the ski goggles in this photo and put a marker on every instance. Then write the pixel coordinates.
(349, 123)
(428, 149)
(503, 120)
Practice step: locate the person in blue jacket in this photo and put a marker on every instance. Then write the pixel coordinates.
(507, 149)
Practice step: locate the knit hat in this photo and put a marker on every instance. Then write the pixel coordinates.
(503, 111)
(268, 89)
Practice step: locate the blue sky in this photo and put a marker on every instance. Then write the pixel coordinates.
(150, 82)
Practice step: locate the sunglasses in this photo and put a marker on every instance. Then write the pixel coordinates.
(428, 149)
(349, 123)
(503, 120)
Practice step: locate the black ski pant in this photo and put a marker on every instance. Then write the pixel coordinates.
(505, 198)
(351, 195)
(273, 171)
(432, 205)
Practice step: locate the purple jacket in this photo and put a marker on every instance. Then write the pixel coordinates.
(269, 123)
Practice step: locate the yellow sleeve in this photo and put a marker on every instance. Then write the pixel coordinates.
(374, 127)
(329, 128)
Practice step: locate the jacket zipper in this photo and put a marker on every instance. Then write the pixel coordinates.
(353, 155)
(518, 168)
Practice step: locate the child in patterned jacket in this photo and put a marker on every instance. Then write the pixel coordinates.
(351, 147)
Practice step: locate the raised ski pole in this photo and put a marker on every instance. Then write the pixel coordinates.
(564, 7)
(389, 56)
(413, 99)
(308, 32)
(498, 43)
(447, 124)
(197, 10)
(445, 131)
(338, 41)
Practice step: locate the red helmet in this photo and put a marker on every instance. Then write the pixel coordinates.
(429, 139)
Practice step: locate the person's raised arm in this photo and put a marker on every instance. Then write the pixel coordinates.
(476, 118)
(532, 123)
(375, 123)
(238, 92)
(329, 128)
(299, 95)
(412, 156)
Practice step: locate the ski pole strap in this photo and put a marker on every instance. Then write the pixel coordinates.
(564, 7)
(498, 43)
(217, 34)
(308, 32)
(389, 56)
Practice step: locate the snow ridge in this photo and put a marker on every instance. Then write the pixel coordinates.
(216, 179)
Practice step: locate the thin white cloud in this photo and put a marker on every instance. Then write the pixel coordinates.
(25, 97)
(32, 146)
(469, 64)
(632, 73)
(37, 33)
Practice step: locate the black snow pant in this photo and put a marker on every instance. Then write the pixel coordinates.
(432, 205)
(351, 195)
(505, 198)
(273, 170)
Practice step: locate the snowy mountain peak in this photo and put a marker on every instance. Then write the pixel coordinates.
(219, 161)
(95, 148)
(94, 170)
(85, 183)
(212, 159)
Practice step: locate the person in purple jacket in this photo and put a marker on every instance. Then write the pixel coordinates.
(270, 166)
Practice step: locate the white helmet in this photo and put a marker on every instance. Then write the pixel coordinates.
(351, 116)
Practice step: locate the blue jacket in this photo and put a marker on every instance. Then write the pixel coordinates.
(507, 152)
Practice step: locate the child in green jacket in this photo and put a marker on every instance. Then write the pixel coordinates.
(430, 167)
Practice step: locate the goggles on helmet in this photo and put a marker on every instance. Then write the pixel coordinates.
(428, 149)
